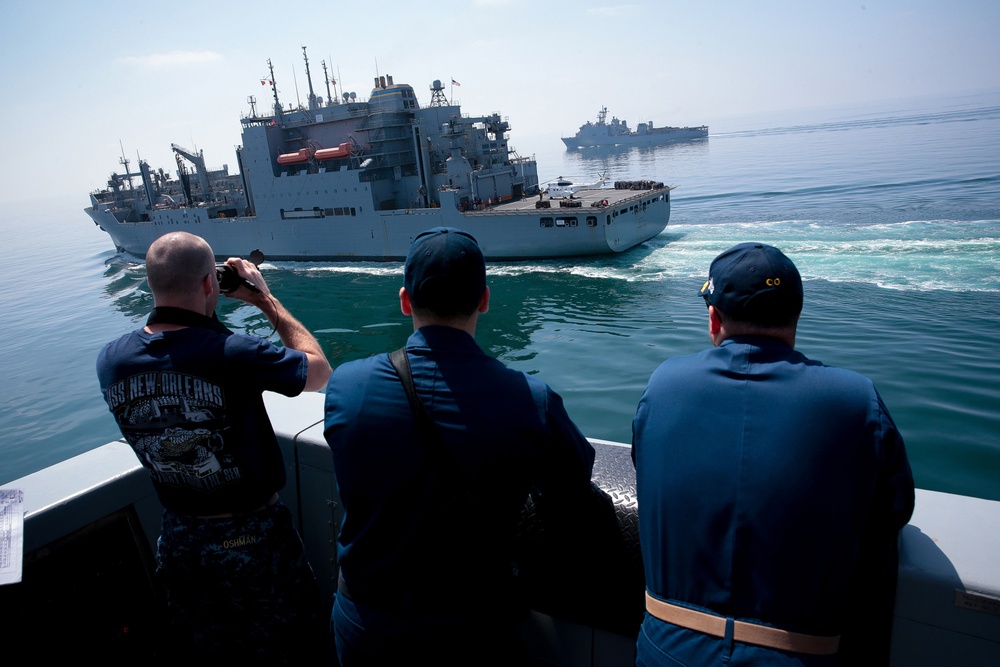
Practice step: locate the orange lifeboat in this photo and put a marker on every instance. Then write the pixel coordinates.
(343, 150)
(302, 155)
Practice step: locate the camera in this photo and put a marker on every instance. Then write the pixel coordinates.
(230, 281)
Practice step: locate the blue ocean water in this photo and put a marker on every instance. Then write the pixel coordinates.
(890, 211)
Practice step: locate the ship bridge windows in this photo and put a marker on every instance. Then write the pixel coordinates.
(409, 99)
(493, 147)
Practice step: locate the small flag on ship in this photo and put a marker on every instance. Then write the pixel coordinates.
(455, 83)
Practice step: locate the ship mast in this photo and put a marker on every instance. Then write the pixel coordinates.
(312, 95)
(124, 161)
(326, 77)
(274, 88)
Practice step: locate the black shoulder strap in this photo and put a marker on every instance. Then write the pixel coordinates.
(401, 363)
(428, 431)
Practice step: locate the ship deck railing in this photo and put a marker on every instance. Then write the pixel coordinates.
(91, 523)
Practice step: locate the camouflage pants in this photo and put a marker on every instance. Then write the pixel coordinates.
(240, 590)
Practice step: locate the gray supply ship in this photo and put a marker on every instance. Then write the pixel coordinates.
(342, 179)
(617, 133)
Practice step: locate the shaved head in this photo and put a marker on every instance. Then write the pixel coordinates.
(176, 265)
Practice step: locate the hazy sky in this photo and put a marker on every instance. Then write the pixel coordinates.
(83, 80)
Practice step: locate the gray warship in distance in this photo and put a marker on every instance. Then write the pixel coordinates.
(617, 133)
(343, 180)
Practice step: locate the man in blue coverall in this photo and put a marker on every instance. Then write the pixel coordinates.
(425, 550)
(771, 490)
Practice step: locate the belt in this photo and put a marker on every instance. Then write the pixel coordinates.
(229, 515)
(748, 633)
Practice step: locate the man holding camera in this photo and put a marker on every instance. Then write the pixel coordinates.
(186, 393)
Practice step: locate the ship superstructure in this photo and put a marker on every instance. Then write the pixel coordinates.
(344, 179)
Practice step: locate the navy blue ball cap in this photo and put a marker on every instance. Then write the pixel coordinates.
(754, 282)
(445, 270)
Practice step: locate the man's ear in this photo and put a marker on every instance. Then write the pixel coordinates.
(404, 302)
(714, 321)
(484, 301)
(714, 326)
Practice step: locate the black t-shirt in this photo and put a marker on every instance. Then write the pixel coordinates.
(189, 403)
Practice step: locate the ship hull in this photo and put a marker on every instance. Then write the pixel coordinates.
(636, 139)
(510, 231)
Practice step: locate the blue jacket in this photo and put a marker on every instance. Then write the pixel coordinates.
(771, 488)
(415, 529)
